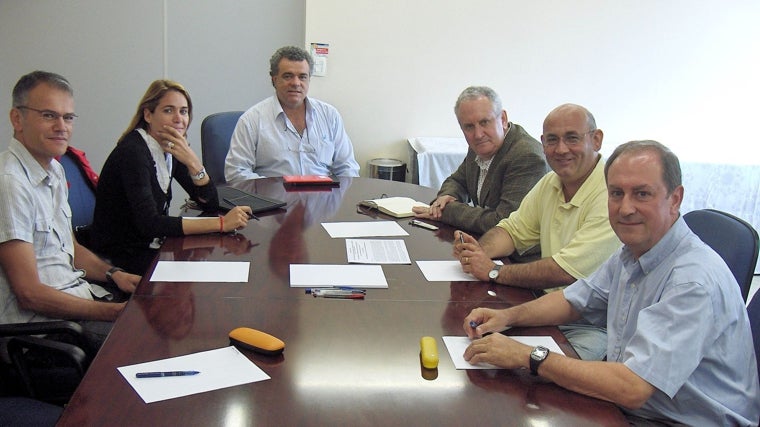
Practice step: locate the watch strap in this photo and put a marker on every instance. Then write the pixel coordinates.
(536, 362)
(111, 271)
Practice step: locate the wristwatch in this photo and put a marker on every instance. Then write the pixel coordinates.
(200, 175)
(111, 271)
(494, 273)
(537, 357)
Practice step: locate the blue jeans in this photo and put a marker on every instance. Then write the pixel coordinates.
(590, 342)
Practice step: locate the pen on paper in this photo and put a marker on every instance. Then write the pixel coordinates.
(166, 374)
(250, 215)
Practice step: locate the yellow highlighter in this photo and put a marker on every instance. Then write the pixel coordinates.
(428, 352)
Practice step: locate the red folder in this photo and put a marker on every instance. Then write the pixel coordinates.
(309, 180)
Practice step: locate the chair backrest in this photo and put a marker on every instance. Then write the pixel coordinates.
(732, 238)
(216, 131)
(81, 194)
(753, 309)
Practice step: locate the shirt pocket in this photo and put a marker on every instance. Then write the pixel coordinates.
(325, 149)
(43, 236)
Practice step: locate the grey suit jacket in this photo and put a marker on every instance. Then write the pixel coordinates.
(515, 169)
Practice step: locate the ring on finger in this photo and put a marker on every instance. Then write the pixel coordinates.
(171, 145)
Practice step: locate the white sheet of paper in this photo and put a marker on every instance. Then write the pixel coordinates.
(364, 229)
(220, 368)
(201, 271)
(377, 251)
(457, 345)
(322, 275)
(446, 271)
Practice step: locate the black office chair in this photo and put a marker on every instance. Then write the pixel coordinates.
(22, 411)
(216, 132)
(732, 238)
(46, 360)
(81, 198)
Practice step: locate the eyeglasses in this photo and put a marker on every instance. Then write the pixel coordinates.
(570, 139)
(51, 116)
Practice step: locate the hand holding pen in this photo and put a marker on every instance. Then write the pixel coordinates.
(246, 209)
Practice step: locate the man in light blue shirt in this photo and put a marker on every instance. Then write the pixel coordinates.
(288, 133)
(679, 345)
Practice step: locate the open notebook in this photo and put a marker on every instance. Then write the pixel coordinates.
(398, 207)
(230, 197)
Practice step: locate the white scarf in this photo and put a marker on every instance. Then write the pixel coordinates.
(162, 160)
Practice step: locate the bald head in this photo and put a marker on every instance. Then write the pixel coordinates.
(569, 110)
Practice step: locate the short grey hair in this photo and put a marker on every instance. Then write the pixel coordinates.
(29, 81)
(291, 53)
(475, 92)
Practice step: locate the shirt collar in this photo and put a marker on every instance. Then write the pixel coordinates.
(279, 113)
(667, 245)
(590, 185)
(34, 170)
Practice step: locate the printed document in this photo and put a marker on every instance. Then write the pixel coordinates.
(368, 251)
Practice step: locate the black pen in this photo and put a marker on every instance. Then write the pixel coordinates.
(250, 215)
(166, 374)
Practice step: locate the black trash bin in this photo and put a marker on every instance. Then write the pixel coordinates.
(389, 169)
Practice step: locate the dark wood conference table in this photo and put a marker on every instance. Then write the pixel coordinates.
(346, 362)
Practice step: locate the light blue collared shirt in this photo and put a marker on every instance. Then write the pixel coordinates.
(35, 209)
(265, 143)
(676, 318)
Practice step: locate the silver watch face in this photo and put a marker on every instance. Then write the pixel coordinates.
(493, 274)
(539, 353)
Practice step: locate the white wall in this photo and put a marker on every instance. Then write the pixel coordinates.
(683, 72)
(111, 50)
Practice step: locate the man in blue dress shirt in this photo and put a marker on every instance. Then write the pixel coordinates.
(289, 133)
(679, 345)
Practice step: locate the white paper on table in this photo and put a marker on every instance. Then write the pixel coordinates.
(446, 271)
(377, 251)
(201, 271)
(457, 345)
(220, 368)
(323, 275)
(364, 229)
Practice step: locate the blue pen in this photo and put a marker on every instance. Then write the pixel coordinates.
(473, 324)
(349, 288)
(166, 374)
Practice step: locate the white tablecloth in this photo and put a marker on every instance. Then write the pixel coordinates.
(433, 159)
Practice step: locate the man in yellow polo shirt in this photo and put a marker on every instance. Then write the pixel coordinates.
(565, 212)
